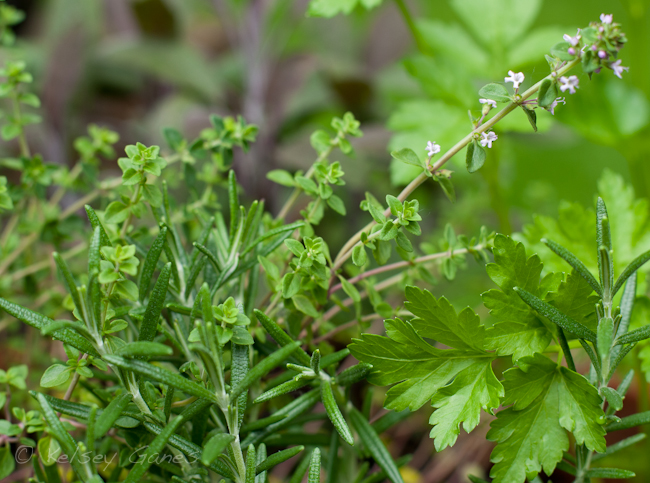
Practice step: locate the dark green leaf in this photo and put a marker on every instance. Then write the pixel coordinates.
(277, 458)
(407, 156)
(162, 375)
(577, 265)
(39, 322)
(94, 221)
(214, 447)
(555, 316)
(263, 368)
(280, 336)
(149, 326)
(151, 261)
(375, 446)
(613, 473)
(637, 263)
(475, 158)
(496, 92)
(111, 414)
(314, 467)
(334, 413)
(144, 349)
(532, 117)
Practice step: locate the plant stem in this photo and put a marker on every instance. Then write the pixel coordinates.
(402, 264)
(410, 23)
(346, 251)
(24, 147)
(298, 190)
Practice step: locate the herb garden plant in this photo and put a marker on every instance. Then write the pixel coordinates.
(196, 325)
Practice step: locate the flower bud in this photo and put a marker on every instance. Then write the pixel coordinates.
(602, 54)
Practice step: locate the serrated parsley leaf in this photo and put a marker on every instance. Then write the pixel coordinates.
(519, 331)
(437, 320)
(547, 401)
(473, 389)
(574, 298)
(459, 381)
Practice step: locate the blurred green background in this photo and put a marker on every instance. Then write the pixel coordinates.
(136, 66)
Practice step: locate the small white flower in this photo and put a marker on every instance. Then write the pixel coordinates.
(490, 102)
(515, 77)
(488, 138)
(551, 108)
(618, 68)
(606, 18)
(569, 83)
(432, 148)
(573, 40)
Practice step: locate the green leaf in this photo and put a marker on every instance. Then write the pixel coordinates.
(437, 320)
(461, 401)
(284, 230)
(162, 375)
(68, 445)
(151, 261)
(350, 290)
(407, 156)
(280, 336)
(49, 450)
(574, 298)
(336, 204)
(70, 283)
(56, 375)
(283, 388)
(113, 411)
(613, 473)
(320, 141)
(518, 330)
(149, 326)
(263, 368)
(629, 422)
(281, 177)
(637, 263)
(38, 321)
(613, 397)
(374, 446)
(532, 117)
(215, 446)
(359, 255)
(554, 315)
(116, 212)
(334, 413)
(577, 265)
(94, 221)
(151, 193)
(143, 349)
(305, 305)
(314, 467)
(330, 8)
(353, 374)
(7, 462)
(251, 460)
(405, 359)
(496, 92)
(634, 336)
(276, 458)
(546, 399)
(475, 157)
(547, 93)
(156, 446)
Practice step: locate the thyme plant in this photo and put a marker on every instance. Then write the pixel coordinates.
(196, 328)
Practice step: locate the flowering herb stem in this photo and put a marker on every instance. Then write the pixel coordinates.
(346, 250)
